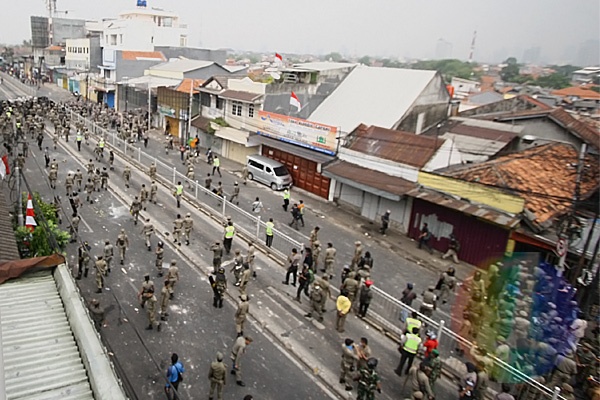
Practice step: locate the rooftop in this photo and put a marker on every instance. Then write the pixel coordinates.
(373, 96)
(582, 92)
(159, 12)
(186, 85)
(320, 66)
(246, 97)
(181, 65)
(401, 147)
(142, 55)
(8, 246)
(544, 176)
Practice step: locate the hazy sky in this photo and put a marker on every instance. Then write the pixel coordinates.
(405, 28)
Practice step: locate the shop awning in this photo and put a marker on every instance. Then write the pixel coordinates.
(315, 156)
(465, 207)
(368, 180)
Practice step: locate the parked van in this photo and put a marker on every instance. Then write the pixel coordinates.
(270, 172)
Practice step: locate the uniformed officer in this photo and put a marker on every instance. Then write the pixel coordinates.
(228, 236)
(151, 312)
(126, 175)
(245, 278)
(566, 369)
(152, 171)
(348, 362)
(188, 225)
(146, 291)
(96, 180)
(52, 176)
(239, 348)
(173, 278)
(237, 268)
(74, 228)
(79, 139)
(135, 208)
(411, 343)
(446, 284)
(235, 196)
(164, 300)
(83, 260)
(97, 313)
(286, 199)
(190, 175)
(250, 256)
(368, 381)
(89, 188)
(108, 254)
(177, 228)
(217, 376)
(160, 253)
(178, 193)
(100, 273)
(153, 192)
(316, 302)
(78, 179)
(316, 252)
(429, 302)
(351, 286)
(144, 194)
(104, 179)
(69, 183)
(241, 313)
(217, 250)
(358, 250)
(269, 232)
(314, 236)
(330, 253)
(220, 287)
(122, 244)
(90, 167)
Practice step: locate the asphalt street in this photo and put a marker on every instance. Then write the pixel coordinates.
(291, 357)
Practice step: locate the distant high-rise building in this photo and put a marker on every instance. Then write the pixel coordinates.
(443, 49)
(532, 55)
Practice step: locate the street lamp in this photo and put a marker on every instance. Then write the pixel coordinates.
(566, 231)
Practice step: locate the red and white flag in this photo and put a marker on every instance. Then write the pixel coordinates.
(29, 214)
(278, 57)
(295, 101)
(4, 168)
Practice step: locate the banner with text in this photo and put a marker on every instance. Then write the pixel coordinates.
(298, 131)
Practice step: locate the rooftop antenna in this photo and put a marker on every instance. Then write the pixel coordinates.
(472, 47)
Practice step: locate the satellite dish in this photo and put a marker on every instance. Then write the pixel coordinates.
(275, 75)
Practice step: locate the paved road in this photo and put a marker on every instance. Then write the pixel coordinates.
(279, 321)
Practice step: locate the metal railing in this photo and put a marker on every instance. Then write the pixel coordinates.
(385, 310)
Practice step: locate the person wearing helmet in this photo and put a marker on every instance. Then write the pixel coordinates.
(365, 298)
(368, 381)
(160, 254)
(431, 343)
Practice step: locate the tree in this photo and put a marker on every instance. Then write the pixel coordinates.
(511, 61)
(510, 72)
(554, 81)
(336, 57)
(566, 70)
(449, 68)
(40, 242)
(366, 60)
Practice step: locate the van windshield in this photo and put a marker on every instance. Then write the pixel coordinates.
(281, 171)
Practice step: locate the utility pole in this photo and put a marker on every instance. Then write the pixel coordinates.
(19, 196)
(189, 121)
(149, 106)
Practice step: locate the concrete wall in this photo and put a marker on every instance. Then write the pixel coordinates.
(379, 164)
(447, 155)
(218, 56)
(210, 71)
(432, 104)
(65, 28)
(132, 68)
(247, 85)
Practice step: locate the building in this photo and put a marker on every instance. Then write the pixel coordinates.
(377, 167)
(464, 87)
(47, 32)
(443, 49)
(83, 54)
(181, 68)
(118, 65)
(585, 75)
(192, 53)
(479, 99)
(142, 29)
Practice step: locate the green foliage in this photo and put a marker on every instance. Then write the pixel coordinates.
(511, 61)
(565, 70)
(595, 89)
(387, 63)
(510, 72)
(366, 60)
(38, 243)
(220, 121)
(336, 57)
(449, 68)
(554, 81)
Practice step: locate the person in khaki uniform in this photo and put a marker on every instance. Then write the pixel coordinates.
(217, 375)
(173, 278)
(329, 260)
(348, 363)
(250, 256)
(358, 250)
(164, 301)
(239, 348)
(316, 253)
(153, 192)
(314, 236)
(241, 313)
(566, 369)
(188, 225)
(126, 175)
(351, 286)
(135, 209)
(152, 171)
(245, 278)
(108, 254)
(151, 312)
(146, 291)
(144, 194)
(177, 227)
(69, 183)
(100, 273)
(53, 175)
(89, 188)
(78, 179)
(148, 230)
(122, 244)
(160, 254)
(90, 167)
(96, 180)
(316, 302)
(190, 175)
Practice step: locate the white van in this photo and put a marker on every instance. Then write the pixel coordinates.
(270, 172)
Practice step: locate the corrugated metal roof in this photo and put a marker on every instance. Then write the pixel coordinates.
(320, 66)
(8, 246)
(372, 96)
(181, 65)
(41, 357)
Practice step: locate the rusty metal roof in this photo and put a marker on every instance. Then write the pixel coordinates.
(401, 147)
(369, 180)
(485, 213)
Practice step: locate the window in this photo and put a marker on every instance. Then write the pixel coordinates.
(113, 40)
(121, 38)
(205, 99)
(281, 171)
(251, 110)
(254, 164)
(236, 108)
(167, 22)
(220, 103)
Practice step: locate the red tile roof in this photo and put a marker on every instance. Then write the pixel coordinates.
(402, 147)
(184, 86)
(583, 92)
(54, 48)
(544, 176)
(135, 55)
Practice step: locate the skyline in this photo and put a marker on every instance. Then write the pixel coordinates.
(559, 32)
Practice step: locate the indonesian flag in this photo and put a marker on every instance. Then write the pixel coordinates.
(295, 102)
(4, 168)
(29, 215)
(278, 57)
